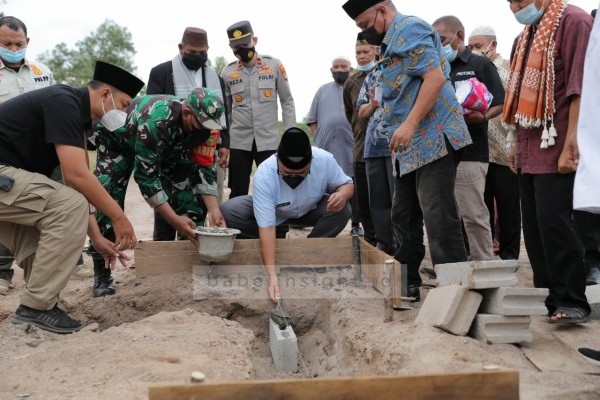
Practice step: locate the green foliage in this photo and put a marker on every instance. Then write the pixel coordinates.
(111, 43)
(219, 64)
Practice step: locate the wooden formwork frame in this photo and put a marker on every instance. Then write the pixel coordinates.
(384, 273)
(155, 258)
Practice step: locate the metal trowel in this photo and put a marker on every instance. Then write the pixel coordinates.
(280, 317)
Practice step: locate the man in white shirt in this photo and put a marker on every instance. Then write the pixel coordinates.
(299, 185)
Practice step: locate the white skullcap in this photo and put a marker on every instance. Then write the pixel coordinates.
(342, 58)
(483, 30)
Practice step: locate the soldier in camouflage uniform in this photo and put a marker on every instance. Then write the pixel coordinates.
(155, 145)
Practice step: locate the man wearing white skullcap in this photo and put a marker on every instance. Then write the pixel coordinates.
(501, 185)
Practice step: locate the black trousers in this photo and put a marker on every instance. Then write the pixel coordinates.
(361, 196)
(381, 190)
(502, 185)
(240, 168)
(553, 247)
(426, 195)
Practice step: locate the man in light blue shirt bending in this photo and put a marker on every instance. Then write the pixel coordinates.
(300, 185)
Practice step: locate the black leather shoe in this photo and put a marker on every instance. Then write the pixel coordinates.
(413, 291)
(103, 281)
(593, 276)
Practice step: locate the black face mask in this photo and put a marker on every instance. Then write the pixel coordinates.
(293, 180)
(372, 36)
(194, 61)
(196, 138)
(340, 77)
(245, 54)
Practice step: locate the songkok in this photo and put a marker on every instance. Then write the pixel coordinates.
(360, 39)
(117, 78)
(294, 149)
(195, 37)
(207, 106)
(240, 34)
(356, 7)
(483, 30)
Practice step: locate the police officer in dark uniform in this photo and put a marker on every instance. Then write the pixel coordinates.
(252, 85)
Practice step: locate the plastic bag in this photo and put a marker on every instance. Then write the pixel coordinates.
(473, 95)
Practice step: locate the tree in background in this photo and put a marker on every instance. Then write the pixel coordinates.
(75, 67)
(220, 63)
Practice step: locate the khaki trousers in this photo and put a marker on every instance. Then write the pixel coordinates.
(469, 189)
(44, 224)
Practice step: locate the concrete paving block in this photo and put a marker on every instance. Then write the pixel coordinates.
(284, 347)
(478, 274)
(495, 329)
(451, 308)
(593, 294)
(514, 301)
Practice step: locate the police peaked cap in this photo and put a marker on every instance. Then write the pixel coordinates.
(294, 149)
(240, 34)
(117, 78)
(356, 7)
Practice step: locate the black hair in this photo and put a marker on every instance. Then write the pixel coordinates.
(13, 23)
(451, 22)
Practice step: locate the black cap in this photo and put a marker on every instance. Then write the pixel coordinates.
(117, 78)
(294, 149)
(356, 7)
(240, 34)
(360, 39)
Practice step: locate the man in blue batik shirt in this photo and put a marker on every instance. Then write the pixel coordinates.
(299, 185)
(421, 109)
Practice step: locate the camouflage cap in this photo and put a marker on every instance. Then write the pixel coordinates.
(207, 106)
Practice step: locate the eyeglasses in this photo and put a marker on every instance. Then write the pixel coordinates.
(297, 175)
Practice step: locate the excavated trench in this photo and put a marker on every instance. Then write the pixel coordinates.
(316, 311)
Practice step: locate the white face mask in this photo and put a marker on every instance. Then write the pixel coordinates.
(113, 119)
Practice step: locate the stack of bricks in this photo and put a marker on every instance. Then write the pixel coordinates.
(479, 297)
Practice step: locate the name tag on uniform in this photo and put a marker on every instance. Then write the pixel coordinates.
(283, 204)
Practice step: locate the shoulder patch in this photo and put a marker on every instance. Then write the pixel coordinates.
(35, 69)
(283, 73)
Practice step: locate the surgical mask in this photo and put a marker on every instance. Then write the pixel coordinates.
(367, 67)
(340, 76)
(530, 15)
(194, 61)
(12, 57)
(293, 181)
(450, 52)
(113, 119)
(245, 54)
(372, 36)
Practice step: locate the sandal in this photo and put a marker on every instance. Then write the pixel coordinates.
(574, 316)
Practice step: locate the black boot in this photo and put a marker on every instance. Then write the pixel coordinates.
(103, 281)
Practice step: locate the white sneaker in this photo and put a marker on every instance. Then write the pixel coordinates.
(82, 272)
(5, 287)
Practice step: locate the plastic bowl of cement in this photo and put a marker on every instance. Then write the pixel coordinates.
(216, 244)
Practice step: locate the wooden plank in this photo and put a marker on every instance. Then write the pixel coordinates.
(372, 262)
(501, 385)
(549, 353)
(154, 258)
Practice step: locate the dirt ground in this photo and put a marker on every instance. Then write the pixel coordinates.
(159, 329)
